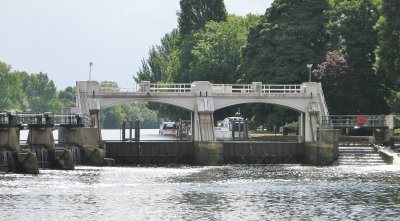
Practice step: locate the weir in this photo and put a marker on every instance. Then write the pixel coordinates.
(202, 98)
(213, 153)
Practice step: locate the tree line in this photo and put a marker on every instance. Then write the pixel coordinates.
(23, 92)
(354, 46)
(36, 93)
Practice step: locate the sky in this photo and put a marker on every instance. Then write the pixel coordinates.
(61, 37)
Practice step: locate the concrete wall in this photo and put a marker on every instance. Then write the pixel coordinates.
(151, 152)
(41, 136)
(263, 152)
(325, 151)
(82, 137)
(209, 153)
(9, 138)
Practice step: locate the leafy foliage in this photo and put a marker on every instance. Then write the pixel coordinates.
(291, 35)
(353, 34)
(388, 50)
(20, 91)
(195, 14)
(339, 84)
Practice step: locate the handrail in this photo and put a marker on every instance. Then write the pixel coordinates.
(281, 89)
(345, 121)
(170, 88)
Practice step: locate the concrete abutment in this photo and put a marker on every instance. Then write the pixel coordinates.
(19, 161)
(59, 158)
(88, 140)
(325, 150)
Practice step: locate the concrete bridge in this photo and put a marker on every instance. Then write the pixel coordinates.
(202, 98)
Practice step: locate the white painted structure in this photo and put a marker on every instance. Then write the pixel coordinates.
(203, 98)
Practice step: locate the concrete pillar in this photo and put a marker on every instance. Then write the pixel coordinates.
(257, 87)
(95, 116)
(301, 128)
(86, 138)
(26, 163)
(94, 156)
(61, 159)
(41, 136)
(203, 119)
(389, 132)
(9, 138)
(209, 153)
(203, 127)
(325, 150)
(311, 124)
(81, 136)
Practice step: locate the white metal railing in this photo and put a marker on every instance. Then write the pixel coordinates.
(233, 88)
(281, 89)
(111, 89)
(170, 88)
(350, 121)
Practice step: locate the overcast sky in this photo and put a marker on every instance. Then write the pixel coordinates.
(61, 37)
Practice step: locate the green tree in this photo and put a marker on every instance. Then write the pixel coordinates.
(339, 84)
(12, 96)
(388, 51)
(353, 34)
(192, 17)
(291, 35)
(67, 97)
(217, 48)
(162, 61)
(42, 94)
(194, 14)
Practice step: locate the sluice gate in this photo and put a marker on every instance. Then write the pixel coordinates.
(263, 153)
(153, 152)
(150, 152)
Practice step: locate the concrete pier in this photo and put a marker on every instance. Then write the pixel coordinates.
(26, 162)
(325, 150)
(205, 153)
(88, 139)
(209, 153)
(42, 137)
(9, 138)
(21, 161)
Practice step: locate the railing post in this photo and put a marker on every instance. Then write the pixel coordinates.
(257, 87)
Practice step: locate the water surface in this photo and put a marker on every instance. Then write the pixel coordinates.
(237, 192)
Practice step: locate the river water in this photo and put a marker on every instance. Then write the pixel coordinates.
(232, 192)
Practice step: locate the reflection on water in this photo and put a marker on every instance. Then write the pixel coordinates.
(203, 193)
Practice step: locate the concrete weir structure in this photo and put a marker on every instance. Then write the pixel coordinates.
(40, 150)
(20, 161)
(41, 139)
(202, 98)
(88, 140)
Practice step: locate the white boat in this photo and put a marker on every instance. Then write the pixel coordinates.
(168, 128)
(223, 130)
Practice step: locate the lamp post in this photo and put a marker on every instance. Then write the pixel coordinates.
(309, 66)
(90, 76)
(90, 70)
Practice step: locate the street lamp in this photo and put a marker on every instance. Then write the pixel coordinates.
(90, 70)
(309, 75)
(90, 76)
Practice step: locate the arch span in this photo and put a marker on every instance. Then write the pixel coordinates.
(184, 103)
(295, 104)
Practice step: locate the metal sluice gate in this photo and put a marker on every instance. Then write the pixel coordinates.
(46, 119)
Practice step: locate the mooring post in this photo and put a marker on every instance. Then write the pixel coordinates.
(130, 130)
(180, 130)
(123, 130)
(137, 130)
